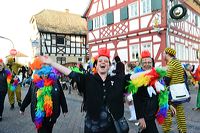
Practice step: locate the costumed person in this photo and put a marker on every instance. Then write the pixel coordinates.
(92, 65)
(150, 95)
(195, 72)
(175, 75)
(16, 89)
(27, 81)
(102, 94)
(5, 78)
(120, 68)
(46, 97)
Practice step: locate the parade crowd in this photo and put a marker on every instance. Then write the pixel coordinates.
(153, 94)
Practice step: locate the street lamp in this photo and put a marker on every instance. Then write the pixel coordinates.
(8, 39)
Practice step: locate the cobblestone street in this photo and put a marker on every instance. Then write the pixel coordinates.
(13, 122)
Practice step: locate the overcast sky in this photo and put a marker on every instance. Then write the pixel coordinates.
(15, 16)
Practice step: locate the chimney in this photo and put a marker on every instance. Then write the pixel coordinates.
(67, 10)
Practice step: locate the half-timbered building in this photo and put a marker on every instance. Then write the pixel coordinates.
(61, 35)
(127, 27)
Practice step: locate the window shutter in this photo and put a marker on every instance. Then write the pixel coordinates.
(196, 20)
(110, 18)
(124, 13)
(90, 24)
(156, 5)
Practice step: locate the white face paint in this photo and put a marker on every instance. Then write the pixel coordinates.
(103, 65)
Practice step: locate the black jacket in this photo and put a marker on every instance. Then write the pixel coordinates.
(58, 99)
(120, 68)
(98, 93)
(145, 106)
(3, 81)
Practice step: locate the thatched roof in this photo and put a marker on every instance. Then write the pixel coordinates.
(60, 22)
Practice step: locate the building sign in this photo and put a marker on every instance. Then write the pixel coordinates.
(35, 43)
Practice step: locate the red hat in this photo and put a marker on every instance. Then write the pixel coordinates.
(1, 61)
(145, 54)
(104, 52)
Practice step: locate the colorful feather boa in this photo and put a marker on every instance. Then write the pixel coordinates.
(44, 77)
(11, 86)
(150, 79)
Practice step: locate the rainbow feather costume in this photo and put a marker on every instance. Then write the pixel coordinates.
(44, 77)
(153, 79)
(11, 86)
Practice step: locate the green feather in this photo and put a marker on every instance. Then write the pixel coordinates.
(163, 97)
(75, 69)
(161, 72)
(132, 88)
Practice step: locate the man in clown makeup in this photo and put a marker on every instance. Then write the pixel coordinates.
(46, 97)
(102, 93)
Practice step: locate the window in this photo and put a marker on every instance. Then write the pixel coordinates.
(61, 60)
(72, 50)
(110, 18)
(133, 10)
(134, 52)
(147, 46)
(60, 40)
(156, 5)
(83, 51)
(96, 23)
(180, 51)
(145, 6)
(198, 21)
(67, 50)
(124, 13)
(103, 20)
(78, 51)
(90, 25)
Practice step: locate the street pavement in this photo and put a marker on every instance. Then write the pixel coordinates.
(13, 122)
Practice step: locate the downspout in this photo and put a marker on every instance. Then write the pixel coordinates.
(168, 24)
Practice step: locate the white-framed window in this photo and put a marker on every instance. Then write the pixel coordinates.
(180, 51)
(147, 46)
(134, 52)
(96, 23)
(103, 20)
(186, 53)
(133, 10)
(145, 6)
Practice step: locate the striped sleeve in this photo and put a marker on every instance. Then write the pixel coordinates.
(170, 70)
